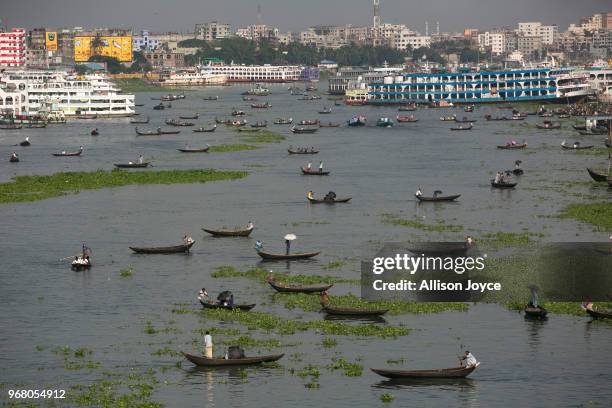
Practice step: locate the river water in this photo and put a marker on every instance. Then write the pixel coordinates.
(560, 362)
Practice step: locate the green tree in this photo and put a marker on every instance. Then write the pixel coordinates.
(96, 44)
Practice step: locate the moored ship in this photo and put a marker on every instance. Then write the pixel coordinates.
(192, 77)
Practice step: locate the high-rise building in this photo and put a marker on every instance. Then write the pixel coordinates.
(13, 48)
(547, 33)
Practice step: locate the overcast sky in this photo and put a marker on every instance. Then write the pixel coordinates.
(293, 15)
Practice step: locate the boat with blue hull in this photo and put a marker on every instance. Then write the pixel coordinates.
(516, 85)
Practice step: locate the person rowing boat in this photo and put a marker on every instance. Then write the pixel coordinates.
(468, 360)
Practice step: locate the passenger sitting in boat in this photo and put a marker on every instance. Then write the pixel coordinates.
(331, 196)
(203, 295)
(513, 142)
(576, 144)
(312, 149)
(309, 166)
(231, 300)
(258, 246)
(498, 178)
(469, 240)
(14, 156)
(324, 299)
(250, 225)
(310, 194)
(187, 239)
(419, 192)
(468, 360)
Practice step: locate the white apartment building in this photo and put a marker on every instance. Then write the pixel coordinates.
(548, 33)
(493, 40)
(258, 32)
(407, 39)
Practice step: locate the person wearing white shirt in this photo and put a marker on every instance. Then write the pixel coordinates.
(208, 345)
(468, 360)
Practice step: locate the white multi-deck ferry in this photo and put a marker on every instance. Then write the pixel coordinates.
(192, 76)
(255, 73)
(91, 95)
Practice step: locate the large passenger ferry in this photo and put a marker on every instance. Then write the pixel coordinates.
(540, 84)
(255, 73)
(73, 95)
(193, 76)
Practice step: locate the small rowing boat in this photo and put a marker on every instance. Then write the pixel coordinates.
(176, 249)
(278, 257)
(132, 165)
(406, 119)
(69, 154)
(311, 172)
(548, 125)
(205, 130)
(283, 121)
(194, 150)
(437, 197)
(597, 176)
(302, 151)
(195, 116)
(222, 362)
(156, 132)
(303, 130)
(139, 121)
(456, 372)
(239, 232)
(576, 146)
(329, 200)
(502, 184)
(329, 125)
(510, 146)
(299, 289)
(597, 314)
(535, 312)
(461, 127)
(244, 308)
(172, 122)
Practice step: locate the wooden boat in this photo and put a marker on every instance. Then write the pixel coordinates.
(169, 132)
(264, 105)
(283, 121)
(435, 198)
(456, 372)
(203, 130)
(172, 122)
(249, 130)
(597, 176)
(245, 232)
(357, 121)
(309, 122)
(223, 121)
(299, 289)
(535, 312)
(510, 146)
(448, 118)
(244, 308)
(302, 130)
(11, 127)
(334, 201)
(350, 311)
(221, 362)
(260, 124)
(277, 257)
(502, 185)
(211, 98)
(176, 249)
(238, 113)
(68, 154)
(384, 122)
(329, 125)
(197, 115)
(576, 146)
(579, 127)
(407, 108)
(132, 165)
(462, 127)
(159, 107)
(139, 122)
(325, 111)
(148, 132)
(496, 118)
(25, 143)
(194, 150)
(291, 151)
(79, 266)
(95, 132)
(312, 172)
(406, 119)
(14, 159)
(465, 120)
(598, 314)
(548, 125)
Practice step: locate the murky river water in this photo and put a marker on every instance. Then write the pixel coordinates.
(561, 362)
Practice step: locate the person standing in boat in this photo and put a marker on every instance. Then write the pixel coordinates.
(320, 167)
(419, 192)
(258, 246)
(14, 156)
(187, 239)
(140, 159)
(250, 225)
(203, 296)
(468, 360)
(288, 246)
(208, 345)
(498, 178)
(310, 194)
(309, 166)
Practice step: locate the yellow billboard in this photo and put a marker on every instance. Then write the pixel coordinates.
(51, 41)
(110, 46)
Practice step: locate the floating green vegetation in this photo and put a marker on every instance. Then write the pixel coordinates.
(310, 370)
(439, 226)
(149, 328)
(350, 369)
(272, 323)
(311, 303)
(33, 188)
(386, 397)
(598, 214)
(263, 137)
(328, 342)
(312, 384)
(126, 272)
(333, 265)
(217, 331)
(227, 148)
(165, 351)
(505, 239)
(260, 274)
(75, 359)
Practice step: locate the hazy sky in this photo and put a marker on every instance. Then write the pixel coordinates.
(293, 15)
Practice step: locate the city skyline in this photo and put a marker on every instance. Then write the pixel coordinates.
(182, 15)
